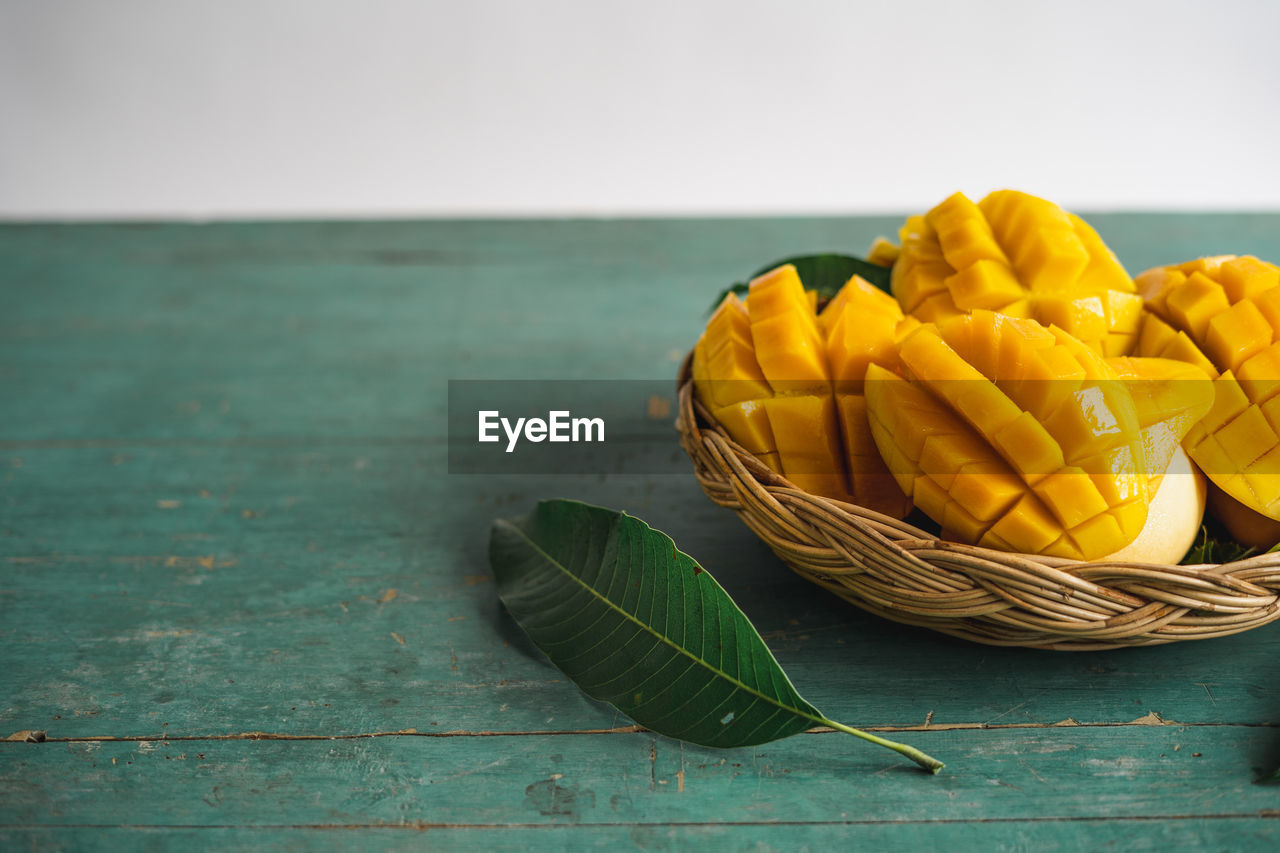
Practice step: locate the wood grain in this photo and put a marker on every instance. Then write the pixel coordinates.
(1217, 833)
(225, 509)
(1058, 774)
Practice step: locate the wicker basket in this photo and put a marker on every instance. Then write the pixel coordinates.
(897, 571)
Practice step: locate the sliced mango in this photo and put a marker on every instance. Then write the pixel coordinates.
(725, 370)
(883, 253)
(1022, 256)
(863, 324)
(748, 423)
(784, 331)
(1014, 436)
(786, 383)
(1222, 314)
(1170, 397)
(807, 436)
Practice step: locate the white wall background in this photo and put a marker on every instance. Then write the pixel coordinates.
(148, 108)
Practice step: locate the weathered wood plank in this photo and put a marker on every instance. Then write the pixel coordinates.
(222, 449)
(307, 331)
(1049, 836)
(213, 590)
(350, 329)
(1061, 773)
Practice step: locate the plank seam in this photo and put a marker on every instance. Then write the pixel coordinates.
(1262, 814)
(1141, 722)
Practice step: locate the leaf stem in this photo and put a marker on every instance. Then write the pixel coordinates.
(928, 762)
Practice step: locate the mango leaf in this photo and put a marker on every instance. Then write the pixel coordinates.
(636, 623)
(825, 273)
(1213, 548)
(1215, 545)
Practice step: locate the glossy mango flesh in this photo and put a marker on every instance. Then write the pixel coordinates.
(1223, 315)
(1022, 256)
(1019, 437)
(1170, 397)
(786, 383)
(862, 325)
(883, 253)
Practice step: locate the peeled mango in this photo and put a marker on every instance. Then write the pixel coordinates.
(1022, 256)
(1014, 387)
(1222, 314)
(786, 383)
(1019, 437)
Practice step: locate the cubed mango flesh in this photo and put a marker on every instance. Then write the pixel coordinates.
(1072, 478)
(1022, 256)
(786, 383)
(1222, 314)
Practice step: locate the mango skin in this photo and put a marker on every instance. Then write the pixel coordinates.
(1022, 256)
(1222, 314)
(1245, 526)
(786, 383)
(1017, 437)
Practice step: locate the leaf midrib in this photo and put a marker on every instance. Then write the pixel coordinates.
(663, 638)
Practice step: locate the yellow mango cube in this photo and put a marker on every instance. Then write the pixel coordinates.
(1246, 438)
(1245, 277)
(1027, 446)
(959, 525)
(1023, 256)
(1100, 534)
(807, 437)
(1028, 526)
(748, 424)
(1192, 304)
(987, 489)
(1071, 496)
(1084, 317)
(988, 470)
(983, 284)
(1260, 375)
(1236, 334)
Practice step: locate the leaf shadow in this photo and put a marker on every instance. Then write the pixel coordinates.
(500, 621)
(490, 608)
(780, 758)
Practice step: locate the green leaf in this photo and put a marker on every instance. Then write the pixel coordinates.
(1210, 548)
(1216, 546)
(636, 623)
(825, 273)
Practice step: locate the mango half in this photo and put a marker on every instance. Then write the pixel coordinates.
(786, 383)
(1019, 437)
(1222, 314)
(1022, 256)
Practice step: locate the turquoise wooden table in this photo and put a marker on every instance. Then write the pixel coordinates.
(244, 602)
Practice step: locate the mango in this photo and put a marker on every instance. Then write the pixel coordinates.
(862, 324)
(786, 383)
(1245, 526)
(1170, 397)
(1021, 256)
(1222, 315)
(883, 252)
(1019, 437)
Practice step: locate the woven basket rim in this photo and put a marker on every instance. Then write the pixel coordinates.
(899, 571)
